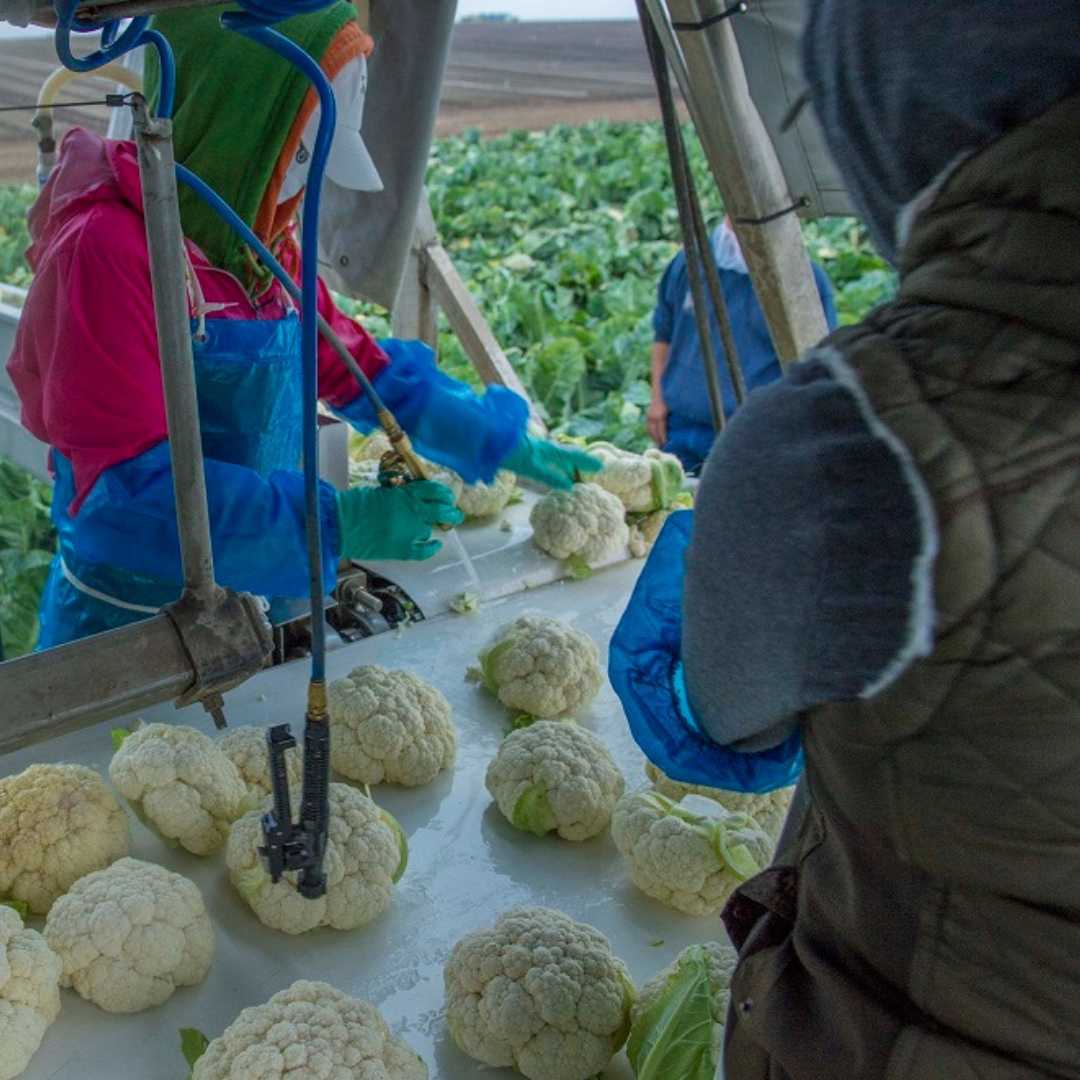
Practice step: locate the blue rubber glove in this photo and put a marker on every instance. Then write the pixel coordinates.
(549, 463)
(394, 522)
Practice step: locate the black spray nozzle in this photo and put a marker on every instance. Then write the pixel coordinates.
(288, 845)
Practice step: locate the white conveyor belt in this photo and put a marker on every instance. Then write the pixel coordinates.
(466, 864)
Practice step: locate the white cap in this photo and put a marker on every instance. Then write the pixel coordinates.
(349, 164)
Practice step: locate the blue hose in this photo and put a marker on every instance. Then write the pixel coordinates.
(252, 28)
(113, 47)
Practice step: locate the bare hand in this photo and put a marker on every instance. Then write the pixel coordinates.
(656, 420)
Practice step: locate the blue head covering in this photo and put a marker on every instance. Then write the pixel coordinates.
(903, 90)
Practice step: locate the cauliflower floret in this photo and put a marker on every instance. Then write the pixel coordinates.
(769, 811)
(366, 854)
(555, 775)
(245, 747)
(645, 530)
(29, 992)
(482, 500)
(57, 822)
(181, 784)
(130, 935)
(643, 482)
(389, 727)
(677, 1023)
(690, 855)
(311, 1031)
(584, 524)
(540, 666)
(539, 992)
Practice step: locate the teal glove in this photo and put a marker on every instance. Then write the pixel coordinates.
(394, 522)
(548, 463)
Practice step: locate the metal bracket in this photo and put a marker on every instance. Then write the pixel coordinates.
(227, 641)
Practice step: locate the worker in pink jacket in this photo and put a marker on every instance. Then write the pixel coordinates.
(87, 370)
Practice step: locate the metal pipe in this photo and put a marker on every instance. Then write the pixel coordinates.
(165, 240)
(120, 9)
(73, 686)
(748, 174)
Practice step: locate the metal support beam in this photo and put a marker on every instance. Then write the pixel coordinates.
(72, 686)
(415, 315)
(709, 68)
(157, 170)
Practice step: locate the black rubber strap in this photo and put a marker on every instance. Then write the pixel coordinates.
(736, 9)
(800, 204)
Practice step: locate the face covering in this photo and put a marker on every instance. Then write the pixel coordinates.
(349, 164)
(726, 250)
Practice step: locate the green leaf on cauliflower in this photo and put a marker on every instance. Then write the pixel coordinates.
(578, 567)
(402, 842)
(20, 907)
(488, 659)
(193, 1044)
(118, 735)
(533, 813)
(674, 1036)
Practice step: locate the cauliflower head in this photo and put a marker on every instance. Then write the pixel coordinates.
(691, 854)
(540, 666)
(366, 854)
(365, 456)
(57, 822)
(677, 1023)
(129, 935)
(181, 783)
(389, 727)
(555, 776)
(769, 811)
(29, 992)
(311, 1031)
(482, 500)
(584, 524)
(245, 747)
(539, 992)
(643, 482)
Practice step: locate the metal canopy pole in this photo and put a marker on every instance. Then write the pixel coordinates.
(165, 241)
(709, 69)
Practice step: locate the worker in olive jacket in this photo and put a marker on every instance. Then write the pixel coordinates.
(883, 576)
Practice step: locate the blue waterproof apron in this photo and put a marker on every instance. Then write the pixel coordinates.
(248, 377)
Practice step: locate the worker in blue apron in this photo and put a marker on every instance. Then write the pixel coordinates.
(87, 370)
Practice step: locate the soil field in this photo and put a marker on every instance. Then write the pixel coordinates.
(499, 77)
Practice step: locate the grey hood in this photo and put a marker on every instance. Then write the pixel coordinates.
(904, 90)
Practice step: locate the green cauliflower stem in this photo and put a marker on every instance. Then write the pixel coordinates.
(769, 811)
(57, 823)
(366, 854)
(129, 935)
(538, 992)
(554, 776)
(311, 1031)
(677, 1023)
(688, 859)
(540, 666)
(389, 727)
(586, 523)
(29, 992)
(181, 783)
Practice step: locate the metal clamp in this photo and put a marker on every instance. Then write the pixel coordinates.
(227, 641)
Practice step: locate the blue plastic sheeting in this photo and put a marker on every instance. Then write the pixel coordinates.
(123, 541)
(645, 669)
(447, 421)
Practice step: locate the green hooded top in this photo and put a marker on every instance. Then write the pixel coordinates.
(240, 110)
